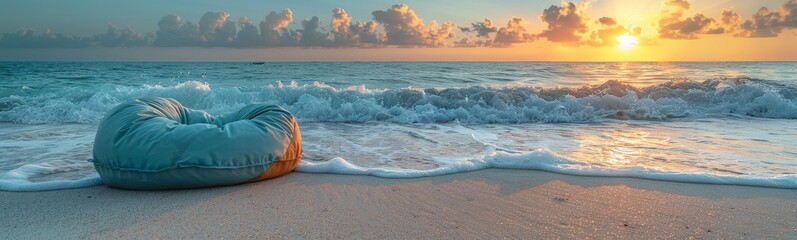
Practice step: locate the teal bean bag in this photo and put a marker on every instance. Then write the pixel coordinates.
(156, 143)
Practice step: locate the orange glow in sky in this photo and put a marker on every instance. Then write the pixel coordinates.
(607, 30)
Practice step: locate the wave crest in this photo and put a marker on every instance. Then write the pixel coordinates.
(478, 104)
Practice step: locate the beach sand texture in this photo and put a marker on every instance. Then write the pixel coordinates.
(485, 204)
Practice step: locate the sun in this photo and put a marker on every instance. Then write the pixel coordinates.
(627, 42)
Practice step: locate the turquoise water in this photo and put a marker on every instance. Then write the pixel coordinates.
(724, 123)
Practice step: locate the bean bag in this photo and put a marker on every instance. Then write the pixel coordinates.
(156, 143)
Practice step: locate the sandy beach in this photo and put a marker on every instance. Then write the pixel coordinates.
(482, 204)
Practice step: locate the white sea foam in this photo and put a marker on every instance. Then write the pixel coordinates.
(19, 179)
(517, 104)
(726, 154)
(729, 153)
(544, 160)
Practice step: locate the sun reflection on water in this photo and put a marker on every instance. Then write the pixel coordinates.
(620, 147)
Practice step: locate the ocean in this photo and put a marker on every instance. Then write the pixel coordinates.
(697, 122)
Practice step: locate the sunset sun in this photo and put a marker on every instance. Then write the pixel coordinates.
(627, 42)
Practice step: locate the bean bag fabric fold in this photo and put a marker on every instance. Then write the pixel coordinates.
(156, 143)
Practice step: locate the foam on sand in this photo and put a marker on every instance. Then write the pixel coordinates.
(544, 160)
(19, 179)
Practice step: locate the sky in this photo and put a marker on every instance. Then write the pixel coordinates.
(379, 30)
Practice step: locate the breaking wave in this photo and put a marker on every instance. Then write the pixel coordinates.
(319, 102)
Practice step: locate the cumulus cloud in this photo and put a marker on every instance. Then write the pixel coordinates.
(367, 33)
(605, 34)
(274, 29)
(404, 28)
(569, 23)
(566, 23)
(513, 32)
(482, 38)
(276, 21)
(789, 12)
(349, 34)
(310, 34)
(173, 31)
(730, 20)
(763, 23)
(215, 29)
(248, 35)
(767, 23)
(672, 26)
(442, 33)
(341, 22)
(218, 29)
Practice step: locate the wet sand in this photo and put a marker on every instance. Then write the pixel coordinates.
(483, 204)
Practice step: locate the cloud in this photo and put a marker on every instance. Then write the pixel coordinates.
(605, 35)
(679, 4)
(470, 42)
(607, 21)
(346, 33)
(216, 30)
(274, 29)
(763, 23)
(172, 31)
(115, 37)
(566, 23)
(276, 21)
(27, 38)
(310, 34)
(513, 32)
(673, 27)
(789, 10)
(482, 38)
(404, 28)
(442, 34)
(341, 21)
(766, 23)
(482, 29)
(248, 35)
(569, 23)
(730, 20)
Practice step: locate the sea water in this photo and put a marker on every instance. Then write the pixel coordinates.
(708, 122)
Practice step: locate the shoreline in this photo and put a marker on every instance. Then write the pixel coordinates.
(492, 203)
